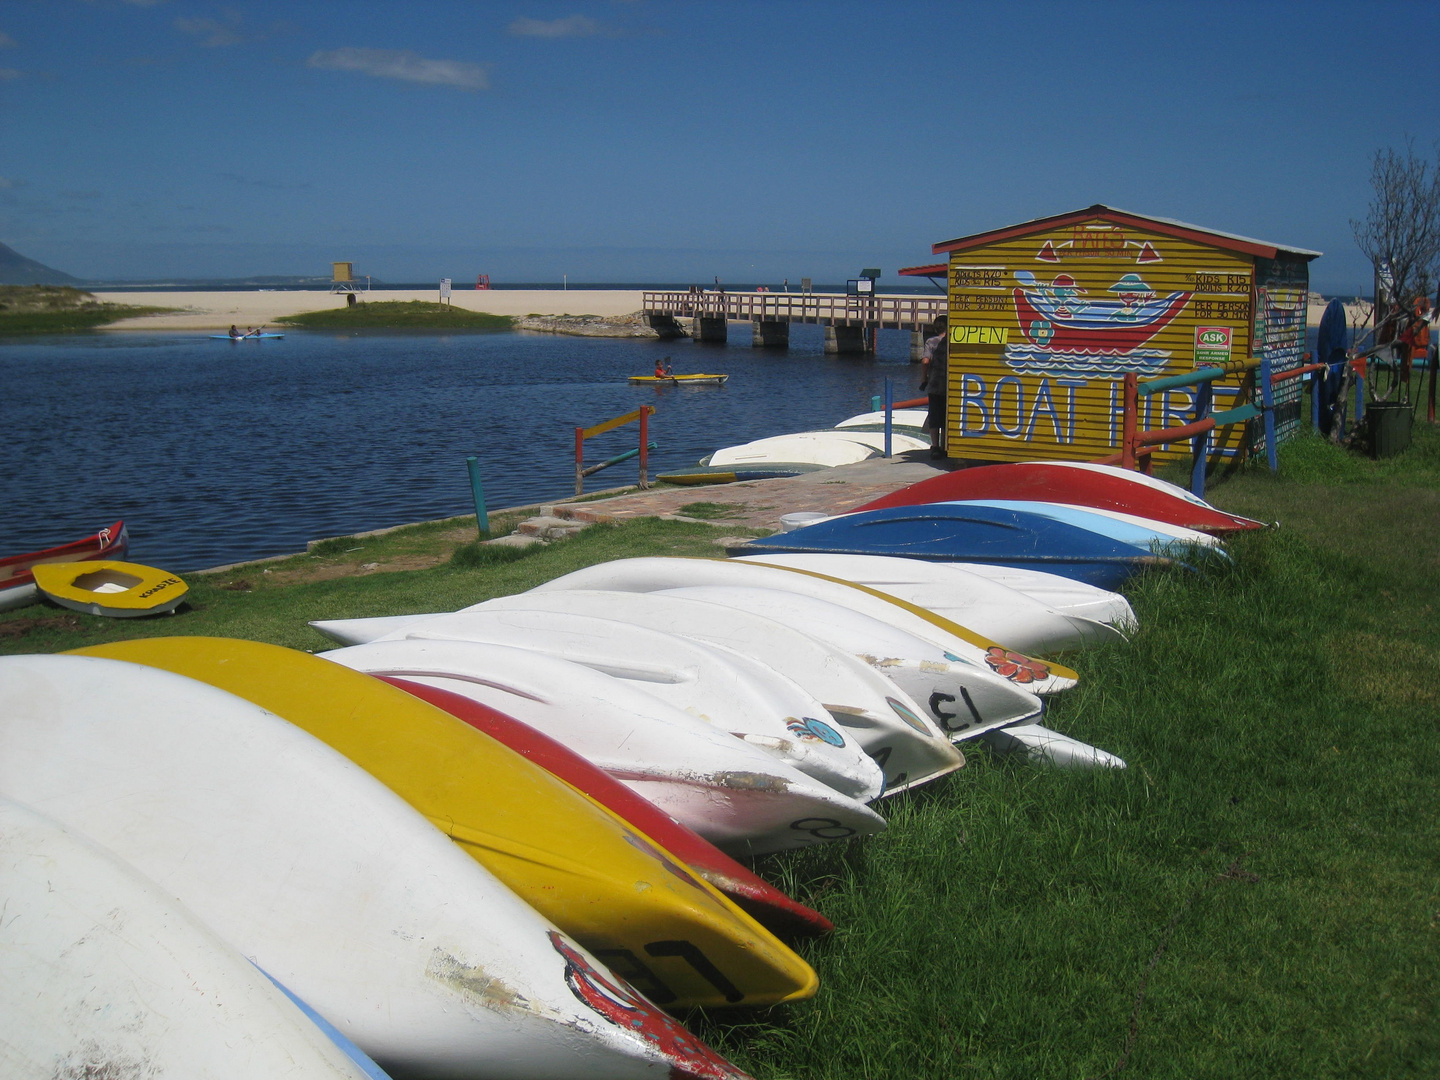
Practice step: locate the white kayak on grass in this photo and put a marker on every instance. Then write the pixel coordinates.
(959, 643)
(736, 795)
(308, 865)
(830, 447)
(911, 418)
(887, 723)
(1012, 618)
(1062, 594)
(735, 693)
(962, 700)
(1042, 746)
(104, 974)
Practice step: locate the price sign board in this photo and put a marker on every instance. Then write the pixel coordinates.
(444, 288)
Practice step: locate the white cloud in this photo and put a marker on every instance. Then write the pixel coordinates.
(211, 32)
(570, 26)
(404, 65)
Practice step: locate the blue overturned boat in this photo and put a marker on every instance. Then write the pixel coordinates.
(965, 532)
(1156, 536)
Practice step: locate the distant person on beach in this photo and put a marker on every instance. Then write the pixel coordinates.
(718, 287)
(934, 380)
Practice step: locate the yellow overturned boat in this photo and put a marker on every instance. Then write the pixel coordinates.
(617, 892)
(120, 590)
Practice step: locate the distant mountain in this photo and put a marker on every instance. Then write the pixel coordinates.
(16, 269)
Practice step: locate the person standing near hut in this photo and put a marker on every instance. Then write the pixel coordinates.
(934, 380)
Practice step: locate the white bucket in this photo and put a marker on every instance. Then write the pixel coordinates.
(799, 519)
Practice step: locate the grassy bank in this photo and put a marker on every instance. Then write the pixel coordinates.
(55, 309)
(397, 315)
(1255, 896)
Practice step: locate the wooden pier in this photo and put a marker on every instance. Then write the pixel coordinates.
(850, 321)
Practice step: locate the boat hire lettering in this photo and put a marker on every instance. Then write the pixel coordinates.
(1005, 408)
(979, 335)
(1220, 283)
(978, 277)
(1234, 310)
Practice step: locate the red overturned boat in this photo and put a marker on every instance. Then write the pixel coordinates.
(762, 901)
(17, 582)
(1077, 483)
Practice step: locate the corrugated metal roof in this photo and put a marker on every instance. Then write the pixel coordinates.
(1249, 245)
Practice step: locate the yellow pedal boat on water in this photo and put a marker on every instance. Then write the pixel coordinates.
(623, 897)
(121, 590)
(681, 380)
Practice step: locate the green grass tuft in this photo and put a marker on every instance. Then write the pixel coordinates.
(397, 315)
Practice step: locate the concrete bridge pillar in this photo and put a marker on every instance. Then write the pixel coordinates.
(665, 326)
(848, 339)
(704, 328)
(917, 346)
(770, 335)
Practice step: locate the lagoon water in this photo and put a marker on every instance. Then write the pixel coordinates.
(216, 452)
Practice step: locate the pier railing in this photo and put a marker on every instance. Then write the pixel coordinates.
(829, 309)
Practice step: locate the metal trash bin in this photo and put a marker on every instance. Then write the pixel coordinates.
(1388, 424)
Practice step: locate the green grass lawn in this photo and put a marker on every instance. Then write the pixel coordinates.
(1257, 895)
(397, 315)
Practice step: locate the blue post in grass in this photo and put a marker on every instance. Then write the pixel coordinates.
(889, 408)
(1267, 401)
(1315, 384)
(482, 519)
(1200, 445)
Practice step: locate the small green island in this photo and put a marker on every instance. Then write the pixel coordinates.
(59, 309)
(397, 315)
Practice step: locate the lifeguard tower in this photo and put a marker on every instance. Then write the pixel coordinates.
(343, 279)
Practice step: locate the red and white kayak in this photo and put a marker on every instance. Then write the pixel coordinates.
(17, 578)
(1077, 483)
(763, 901)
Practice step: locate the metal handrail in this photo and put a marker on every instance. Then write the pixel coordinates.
(915, 312)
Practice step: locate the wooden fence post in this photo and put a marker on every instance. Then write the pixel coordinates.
(1128, 422)
(579, 461)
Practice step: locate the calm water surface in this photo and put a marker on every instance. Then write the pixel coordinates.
(215, 452)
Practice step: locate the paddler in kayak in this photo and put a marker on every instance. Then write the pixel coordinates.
(235, 334)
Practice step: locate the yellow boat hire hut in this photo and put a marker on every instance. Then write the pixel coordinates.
(1048, 316)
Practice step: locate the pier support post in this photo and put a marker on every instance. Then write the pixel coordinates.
(704, 328)
(770, 335)
(917, 346)
(847, 339)
(665, 326)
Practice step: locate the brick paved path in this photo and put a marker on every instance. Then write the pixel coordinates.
(760, 503)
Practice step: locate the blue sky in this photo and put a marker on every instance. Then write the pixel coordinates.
(676, 141)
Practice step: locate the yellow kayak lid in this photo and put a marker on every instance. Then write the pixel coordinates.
(110, 587)
(623, 897)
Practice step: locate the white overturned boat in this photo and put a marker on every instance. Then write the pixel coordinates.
(913, 419)
(1062, 594)
(961, 644)
(988, 607)
(735, 693)
(302, 861)
(735, 794)
(104, 974)
(829, 447)
(886, 722)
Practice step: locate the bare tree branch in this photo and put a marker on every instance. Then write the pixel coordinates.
(1401, 233)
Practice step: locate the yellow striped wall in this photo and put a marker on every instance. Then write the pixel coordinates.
(1012, 399)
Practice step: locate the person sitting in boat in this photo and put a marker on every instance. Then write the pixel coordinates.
(235, 331)
(254, 331)
(659, 369)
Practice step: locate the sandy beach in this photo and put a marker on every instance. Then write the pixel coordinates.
(219, 310)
